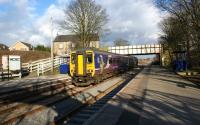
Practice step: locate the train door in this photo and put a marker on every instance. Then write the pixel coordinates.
(80, 66)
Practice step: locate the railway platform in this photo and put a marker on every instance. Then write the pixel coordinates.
(155, 96)
(33, 80)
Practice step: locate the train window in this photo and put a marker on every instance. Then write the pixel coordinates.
(98, 60)
(110, 60)
(114, 61)
(117, 61)
(73, 56)
(89, 58)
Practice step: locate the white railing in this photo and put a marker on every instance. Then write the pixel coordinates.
(43, 65)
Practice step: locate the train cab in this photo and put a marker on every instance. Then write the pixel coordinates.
(82, 67)
(89, 66)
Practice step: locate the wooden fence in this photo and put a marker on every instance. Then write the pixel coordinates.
(43, 65)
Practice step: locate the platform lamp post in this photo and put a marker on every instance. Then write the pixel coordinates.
(52, 58)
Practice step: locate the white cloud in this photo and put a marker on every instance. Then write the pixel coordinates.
(4, 1)
(15, 23)
(44, 25)
(136, 21)
(48, 22)
(22, 23)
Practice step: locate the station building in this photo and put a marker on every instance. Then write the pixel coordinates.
(64, 43)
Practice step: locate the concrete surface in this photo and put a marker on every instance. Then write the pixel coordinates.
(19, 82)
(155, 97)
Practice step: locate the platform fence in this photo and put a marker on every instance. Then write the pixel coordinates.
(43, 65)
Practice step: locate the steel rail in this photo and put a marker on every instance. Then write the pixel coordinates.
(30, 93)
(89, 101)
(37, 108)
(12, 89)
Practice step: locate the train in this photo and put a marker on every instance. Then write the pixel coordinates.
(91, 66)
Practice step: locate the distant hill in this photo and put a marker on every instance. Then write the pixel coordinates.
(27, 56)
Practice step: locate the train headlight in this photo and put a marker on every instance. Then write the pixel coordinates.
(89, 70)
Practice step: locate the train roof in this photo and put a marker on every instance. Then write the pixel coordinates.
(96, 50)
(101, 51)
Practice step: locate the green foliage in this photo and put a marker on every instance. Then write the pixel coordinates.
(42, 48)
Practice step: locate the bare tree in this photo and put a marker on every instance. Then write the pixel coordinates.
(173, 35)
(121, 42)
(183, 25)
(86, 19)
(187, 12)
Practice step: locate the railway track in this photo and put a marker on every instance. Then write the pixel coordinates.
(26, 106)
(33, 90)
(61, 97)
(6, 89)
(83, 112)
(12, 103)
(55, 90)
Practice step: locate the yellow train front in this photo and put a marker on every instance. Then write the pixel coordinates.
(82, 67)
(89, 66)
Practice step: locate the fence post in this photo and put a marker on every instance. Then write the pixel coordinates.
(54, 62)
(60, 61)
(38, 69)
(20, 75)
(31, 67)
(42, 68)
(28, 66)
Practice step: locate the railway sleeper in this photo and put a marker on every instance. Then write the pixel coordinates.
(31, 86)
(21, 96)
(35, 99)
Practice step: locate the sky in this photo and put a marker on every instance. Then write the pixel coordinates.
(30, 21)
